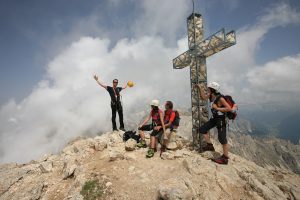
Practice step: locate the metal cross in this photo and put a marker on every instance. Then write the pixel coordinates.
(195, 57)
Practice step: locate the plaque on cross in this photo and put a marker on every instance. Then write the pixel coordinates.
(195, 57)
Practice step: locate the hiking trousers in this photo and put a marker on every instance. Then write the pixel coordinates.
(220, 123)
(116, 107)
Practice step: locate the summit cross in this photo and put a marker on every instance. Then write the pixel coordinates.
(195, 57)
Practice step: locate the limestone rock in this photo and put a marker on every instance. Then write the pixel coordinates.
(115, 155)
(115, 138)
(69, 171)
(100, 145)
(46, 166)
(178, 154)
(10, 174)
(130, 145)
(175, 189)
(173, 136)
(167, 156)
(210, 154)
(108, 184)
(172, 146)
(179, 144)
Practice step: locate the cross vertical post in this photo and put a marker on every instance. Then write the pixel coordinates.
(195, 57)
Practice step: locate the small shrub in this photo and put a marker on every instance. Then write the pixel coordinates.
(92, 190)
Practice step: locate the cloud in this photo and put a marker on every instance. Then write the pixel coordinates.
(164, 18)
(232, 66)
(276, 81)
(69, 103)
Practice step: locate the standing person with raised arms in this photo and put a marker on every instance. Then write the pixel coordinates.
(116, 104)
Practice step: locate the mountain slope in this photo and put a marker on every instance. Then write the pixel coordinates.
(103, 164)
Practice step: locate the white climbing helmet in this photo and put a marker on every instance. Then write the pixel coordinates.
(214, 85)
(154, 102)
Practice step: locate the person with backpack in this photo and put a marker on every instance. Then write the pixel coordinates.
(171, 120)
(157, 127)
(116, 105)
(219, 107)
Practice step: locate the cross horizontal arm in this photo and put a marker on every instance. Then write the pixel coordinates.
(215, 43)
(183, 60)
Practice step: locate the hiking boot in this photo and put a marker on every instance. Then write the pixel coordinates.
(115, 129)
(150, 153)
(208, 147)
(122, 129)
(142, 144)
(223, 160)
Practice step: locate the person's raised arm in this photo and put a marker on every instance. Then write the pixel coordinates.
(125, 86)
(146, 120)
(99, 83)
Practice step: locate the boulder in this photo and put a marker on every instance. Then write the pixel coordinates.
(172, 146)
(115, 138)
(115, 155)
(100, 145)
(175, 189)
(167, 156)
(69, 171)
(130, 145)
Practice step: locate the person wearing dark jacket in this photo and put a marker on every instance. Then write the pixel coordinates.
(116, 104)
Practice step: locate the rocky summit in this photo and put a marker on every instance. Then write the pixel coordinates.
(104, 167)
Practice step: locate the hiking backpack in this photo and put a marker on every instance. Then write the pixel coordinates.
(131, 135)
(176, 119)
(230, 101)
(230, 115)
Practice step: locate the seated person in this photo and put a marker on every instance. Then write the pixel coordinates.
(157, 126)
(169, 118)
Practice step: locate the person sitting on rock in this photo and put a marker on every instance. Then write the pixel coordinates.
(219, 107)
(157, 126)
(169, 118)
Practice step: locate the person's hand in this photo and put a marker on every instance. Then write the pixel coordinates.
(214, 106)
(96, 77)
(156, 128)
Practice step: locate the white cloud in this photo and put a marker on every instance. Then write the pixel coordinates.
(231, 67)
(277, 81)
(162, 18)
(69, 103)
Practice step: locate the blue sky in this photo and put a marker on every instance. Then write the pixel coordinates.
(49, 51)
(32, 30)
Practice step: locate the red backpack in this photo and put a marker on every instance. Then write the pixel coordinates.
(230, 101)
(230, 115)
